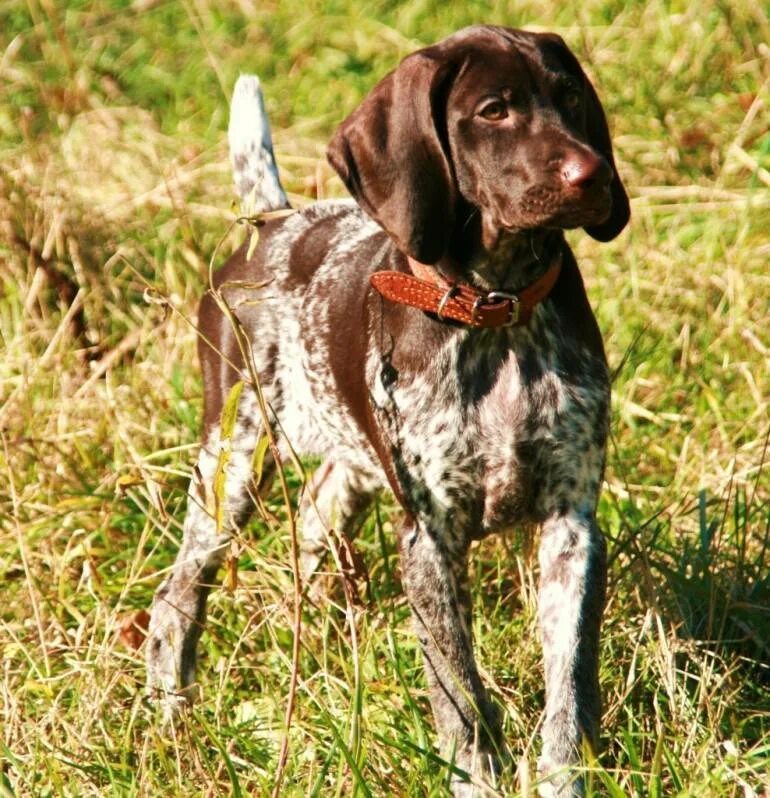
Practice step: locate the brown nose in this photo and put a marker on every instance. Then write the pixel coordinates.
(585, 170)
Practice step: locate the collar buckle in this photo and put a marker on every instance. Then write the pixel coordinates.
(512, 299)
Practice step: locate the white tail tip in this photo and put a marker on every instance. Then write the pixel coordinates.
(251, 150)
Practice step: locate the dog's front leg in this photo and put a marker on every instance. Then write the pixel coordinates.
(434, 565)
(572, 586)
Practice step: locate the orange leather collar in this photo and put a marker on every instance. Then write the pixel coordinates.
(428, 290)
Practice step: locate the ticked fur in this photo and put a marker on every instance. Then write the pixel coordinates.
(474, 431)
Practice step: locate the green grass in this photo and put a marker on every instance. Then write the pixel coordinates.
(114, 192)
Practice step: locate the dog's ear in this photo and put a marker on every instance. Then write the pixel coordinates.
(390, 155)
(598, 135)
(599, 138)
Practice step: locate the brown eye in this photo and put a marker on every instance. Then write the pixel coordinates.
(573, 99)
(494, 111)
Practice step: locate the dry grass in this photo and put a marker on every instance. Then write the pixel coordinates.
(114, 192)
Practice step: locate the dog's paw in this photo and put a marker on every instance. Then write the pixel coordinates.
(558, 781)
(170, 708)
(483, 772)
(468, 789)
(170, 678)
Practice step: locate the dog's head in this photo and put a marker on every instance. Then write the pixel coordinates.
(502, 121)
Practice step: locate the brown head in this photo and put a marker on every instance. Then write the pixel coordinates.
(492, 124)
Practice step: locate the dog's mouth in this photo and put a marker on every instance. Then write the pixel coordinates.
(545, 207)
(586, 215)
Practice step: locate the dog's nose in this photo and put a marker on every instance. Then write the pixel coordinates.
(585, 170)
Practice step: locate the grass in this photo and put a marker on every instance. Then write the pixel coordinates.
(115, 191)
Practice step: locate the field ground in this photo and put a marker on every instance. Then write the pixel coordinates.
(114, 193)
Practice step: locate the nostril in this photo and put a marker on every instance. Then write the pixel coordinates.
(584, 170)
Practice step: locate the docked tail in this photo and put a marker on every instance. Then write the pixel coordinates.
(251, 150)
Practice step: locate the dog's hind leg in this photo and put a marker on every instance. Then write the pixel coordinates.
(336, 497)
(221, 494)
(220, 499)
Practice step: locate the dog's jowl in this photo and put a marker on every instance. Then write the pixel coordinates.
(431, 336)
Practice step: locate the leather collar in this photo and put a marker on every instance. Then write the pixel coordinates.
(430, 291)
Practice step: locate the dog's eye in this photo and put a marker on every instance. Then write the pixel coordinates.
(494, 110)
(573, 98)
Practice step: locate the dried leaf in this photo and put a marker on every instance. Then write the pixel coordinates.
(231, 568)
(133, 628)
(746, 100)
(693, 137)
(258, 460)
(220, 495)
(230, 411)
(253, 241)
(126, 481)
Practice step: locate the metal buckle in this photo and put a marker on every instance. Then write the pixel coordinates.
(495, 296)
(451, 291)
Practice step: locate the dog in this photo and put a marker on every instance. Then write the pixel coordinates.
(431, 336)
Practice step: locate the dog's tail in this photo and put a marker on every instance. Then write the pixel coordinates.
(251, 150)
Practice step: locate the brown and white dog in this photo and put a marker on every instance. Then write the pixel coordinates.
(467, 375)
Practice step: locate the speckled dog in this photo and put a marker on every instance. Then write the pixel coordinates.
(432, 336)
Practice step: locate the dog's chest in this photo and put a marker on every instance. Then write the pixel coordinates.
(499, 430)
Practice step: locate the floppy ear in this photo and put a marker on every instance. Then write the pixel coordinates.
(389, 154)
(599, 138)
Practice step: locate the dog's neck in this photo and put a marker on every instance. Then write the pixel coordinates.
(515, 261)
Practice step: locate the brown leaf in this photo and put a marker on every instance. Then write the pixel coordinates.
(693, 137)
(746, 100)
(133, 628)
